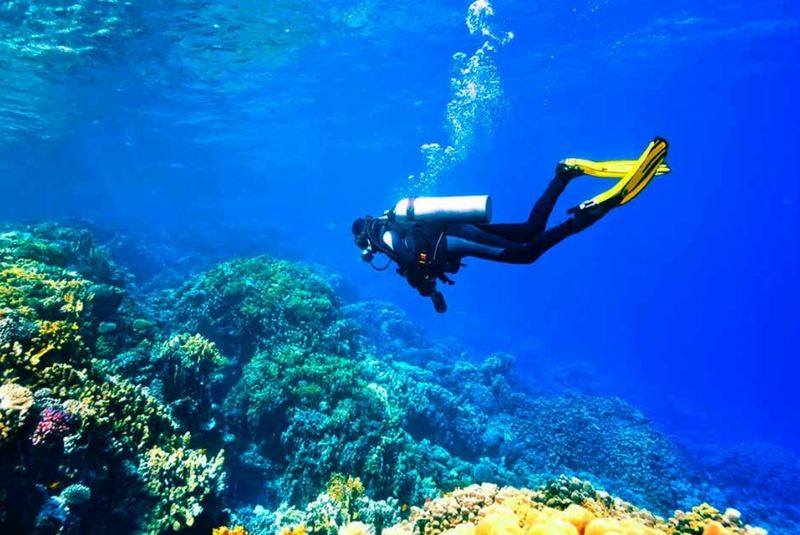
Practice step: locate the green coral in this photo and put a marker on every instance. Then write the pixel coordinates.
(179, 478)
(696, 522)
(191, 366)
(564, 491)
(245, 304)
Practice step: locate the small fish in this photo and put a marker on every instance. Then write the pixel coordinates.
(55, 485)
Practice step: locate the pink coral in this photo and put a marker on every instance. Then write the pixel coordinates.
(53, 422)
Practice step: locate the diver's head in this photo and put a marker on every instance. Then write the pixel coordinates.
(361, 238)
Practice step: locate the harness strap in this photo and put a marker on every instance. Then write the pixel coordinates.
(410, 210)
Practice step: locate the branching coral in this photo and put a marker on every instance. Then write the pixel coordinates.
(345, 491)
(48, 305)
(179, 478)
(706, 520)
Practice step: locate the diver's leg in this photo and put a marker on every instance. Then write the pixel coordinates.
(529, 252)
(472, 240)
(540, 213)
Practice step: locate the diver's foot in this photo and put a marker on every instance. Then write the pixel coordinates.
(636, 179)
(566, 171)
(593, 209)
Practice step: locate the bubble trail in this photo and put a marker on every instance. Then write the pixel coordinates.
(476, 99)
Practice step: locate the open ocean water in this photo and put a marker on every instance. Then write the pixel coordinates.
(152, 151)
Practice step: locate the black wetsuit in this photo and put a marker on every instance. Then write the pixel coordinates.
(425, 251)
(520, 243)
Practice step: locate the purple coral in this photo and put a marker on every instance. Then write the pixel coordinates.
(53, 422)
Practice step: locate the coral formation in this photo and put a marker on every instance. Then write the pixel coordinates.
(180, 478)
(15, 402)
(53, 423)
(223, 530)
(556, 509)
(342, 506)
(116, 407)
(91, 426)
(76, 494)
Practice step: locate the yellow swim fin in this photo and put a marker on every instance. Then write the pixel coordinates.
(637, 177)
(607, 169)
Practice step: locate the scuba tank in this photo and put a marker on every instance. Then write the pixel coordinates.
(458, 209)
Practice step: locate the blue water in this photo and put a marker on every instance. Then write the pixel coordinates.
(169, 118)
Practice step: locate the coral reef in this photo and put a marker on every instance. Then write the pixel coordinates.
(557, 509)
(302, 385)
(116, 408)
(92, 427)
(751, 476)
(344, 503)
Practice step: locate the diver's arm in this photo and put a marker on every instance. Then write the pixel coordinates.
(405, 254)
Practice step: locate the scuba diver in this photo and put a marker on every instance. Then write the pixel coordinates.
(427, 237)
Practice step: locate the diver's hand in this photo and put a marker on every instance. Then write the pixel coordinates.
(438, 302)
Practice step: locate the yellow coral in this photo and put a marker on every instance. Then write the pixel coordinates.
(707, 520)
(578, 516)
(487, 510)
(344, 489)
(715, 528)
(461, 529)
(224, 530)
(52, 336)
(499, 520)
